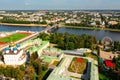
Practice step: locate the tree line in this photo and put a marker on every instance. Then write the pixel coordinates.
(9, 20)
(68, 41)
(116, 26)
(83, 24)
(12, 72)
(116, 46)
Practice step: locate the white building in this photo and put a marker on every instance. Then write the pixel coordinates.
(13, 55)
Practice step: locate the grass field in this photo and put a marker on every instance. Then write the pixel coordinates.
(78, 65)
(13, 37)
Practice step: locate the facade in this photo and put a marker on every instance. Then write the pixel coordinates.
(13, 55)
(112, 22)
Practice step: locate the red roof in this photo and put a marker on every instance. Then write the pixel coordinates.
(109, 64)
(2, 43)
(28, 33)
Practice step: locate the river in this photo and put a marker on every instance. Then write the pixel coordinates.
(100, 34)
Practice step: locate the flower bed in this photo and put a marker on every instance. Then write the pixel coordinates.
(80, 60)
(78, 65)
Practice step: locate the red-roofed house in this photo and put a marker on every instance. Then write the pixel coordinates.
(109, 64)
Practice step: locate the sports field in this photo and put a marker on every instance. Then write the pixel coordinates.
(13, 37)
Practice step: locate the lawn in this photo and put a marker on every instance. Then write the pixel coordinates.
(103, 77)
(13, 37)
(91, 56)
(78, 65)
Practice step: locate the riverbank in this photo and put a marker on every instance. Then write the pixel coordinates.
(91, 28)
(11, 24)
(64, 26)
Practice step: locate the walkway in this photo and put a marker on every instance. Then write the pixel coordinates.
(107, 55)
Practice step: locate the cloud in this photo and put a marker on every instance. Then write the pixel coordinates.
(27, 4)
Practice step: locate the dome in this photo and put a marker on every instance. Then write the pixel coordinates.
(17, 45)
(6, 49)
(14, 49)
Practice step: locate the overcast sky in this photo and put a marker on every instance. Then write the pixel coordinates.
(58, 4)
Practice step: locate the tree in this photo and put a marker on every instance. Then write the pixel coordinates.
(37, 66)
(117, 63)
(97, 22)
(34, 56)
(30, 72)
(45, 67)
(19, 74)
(70, 46)
(10, 71)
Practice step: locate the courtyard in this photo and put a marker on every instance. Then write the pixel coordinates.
(78, 65)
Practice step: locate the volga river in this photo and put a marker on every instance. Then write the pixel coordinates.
(100, 34)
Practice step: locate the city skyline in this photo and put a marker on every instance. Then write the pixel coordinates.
(58, 4)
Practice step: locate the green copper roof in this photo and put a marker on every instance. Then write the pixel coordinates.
(55, 75)
(94, 71)
(39, 47)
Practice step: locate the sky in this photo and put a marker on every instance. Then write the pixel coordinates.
(58, 4)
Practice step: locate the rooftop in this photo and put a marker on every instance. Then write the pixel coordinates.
(39, 47)
(49, 59)
(12, 49)
(94, 70)
(57, 74)
(109, 64)
(12, 52)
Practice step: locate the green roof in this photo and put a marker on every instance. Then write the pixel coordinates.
(49, 59)
(55, 75)
(54, 49)
(94, 70)
(39, 47)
